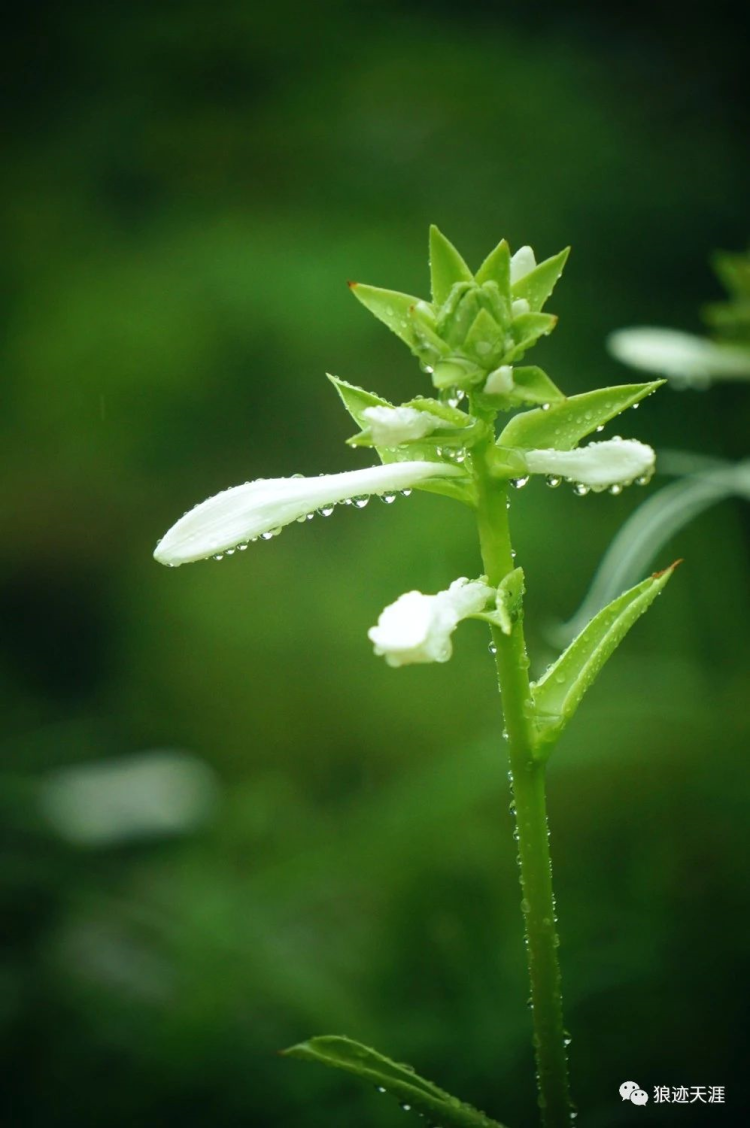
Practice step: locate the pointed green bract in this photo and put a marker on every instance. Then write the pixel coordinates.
(527, 329)
(533, 385)
(566, 423)
(446, 266)
(538, 284)
(411, 1090)
(496, 268)
(356, 400)
(390, 307)
(558, 694)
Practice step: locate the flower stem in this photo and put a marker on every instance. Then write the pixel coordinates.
(527, 781)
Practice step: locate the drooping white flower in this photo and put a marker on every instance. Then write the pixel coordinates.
(499, 382)
(599, 465)
(684, 357)
(244, 513)
(521, 264)
(418, 628)
(391, 426)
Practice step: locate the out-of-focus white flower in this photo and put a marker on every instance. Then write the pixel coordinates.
(521, 264)
(499, 382)
(391, 426)
(257, 509)
(684, 357)
(105, 802)
(599, 465)
(418, 628)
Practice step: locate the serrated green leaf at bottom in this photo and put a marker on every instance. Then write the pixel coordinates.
(412, 1091)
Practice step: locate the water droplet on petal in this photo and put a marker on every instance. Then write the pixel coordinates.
(643, 480)
(325, 510)
(360, 502)
(545, 407)
(600, 428)
(492, 648)
(615, 489)
(219, 556)
(519, 483)
(388, 498)
(406, 493)
(553, 481)
(580, 490)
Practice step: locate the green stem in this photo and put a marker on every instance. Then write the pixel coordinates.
(527, 780)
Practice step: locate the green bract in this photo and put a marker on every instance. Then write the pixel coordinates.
(474, 323)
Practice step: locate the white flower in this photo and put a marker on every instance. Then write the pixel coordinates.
(500, 382)
(685, 358)
(522, 263)
(255, 509)
(417, 627)
(598, 465)
(391, 426)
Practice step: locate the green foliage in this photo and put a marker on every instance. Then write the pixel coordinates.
(471, 326)
(400, 1081)
(731, 319)
(559, 691)
(564, 425)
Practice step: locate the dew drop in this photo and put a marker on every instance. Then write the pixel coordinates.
(388, 498)
(492, 648)
(325, 510)
(219, 556)
(580, 490)
(600, 428)
(242, 547)
(360, 502)
(406, 1107)
(406, 493)
(545, 407)
(301, 520)
(615, 489)
(553, 481)
(643, 480)
(636, 406)
(519, 483)
(266, 536)
(380, 1088)
(525, 906)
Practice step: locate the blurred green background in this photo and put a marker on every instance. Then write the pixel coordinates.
(328, 846)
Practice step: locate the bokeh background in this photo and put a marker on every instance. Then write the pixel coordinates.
(227, 826)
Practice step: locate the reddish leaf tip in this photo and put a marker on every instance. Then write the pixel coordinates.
(671, 568)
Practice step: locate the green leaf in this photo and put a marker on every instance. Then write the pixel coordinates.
(532, 385)
(400, 1081)
(558, 693)
(527, 329)
(538, 284)
(446, 266)
(356, 399)
(564, 425)
(496, 268)
(508, 603)
(390, 307)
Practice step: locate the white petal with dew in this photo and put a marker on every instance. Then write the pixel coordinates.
(417, 628)
(598, 465)
(684, 357)
(500, 382)
(243, 513)
(391, 426)
(522, 263)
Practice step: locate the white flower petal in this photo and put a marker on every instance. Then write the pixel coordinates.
(417, 628)
(391, 426)
(682, 356)
(598, 465)
(243, 513)
(522, 263)
(500, 382)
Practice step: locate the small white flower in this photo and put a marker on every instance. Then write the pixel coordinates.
(243, 513)
(417, 627)
(522, 263)
(500, 382)
(598, 465)
(683, 357)
(391, 426)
